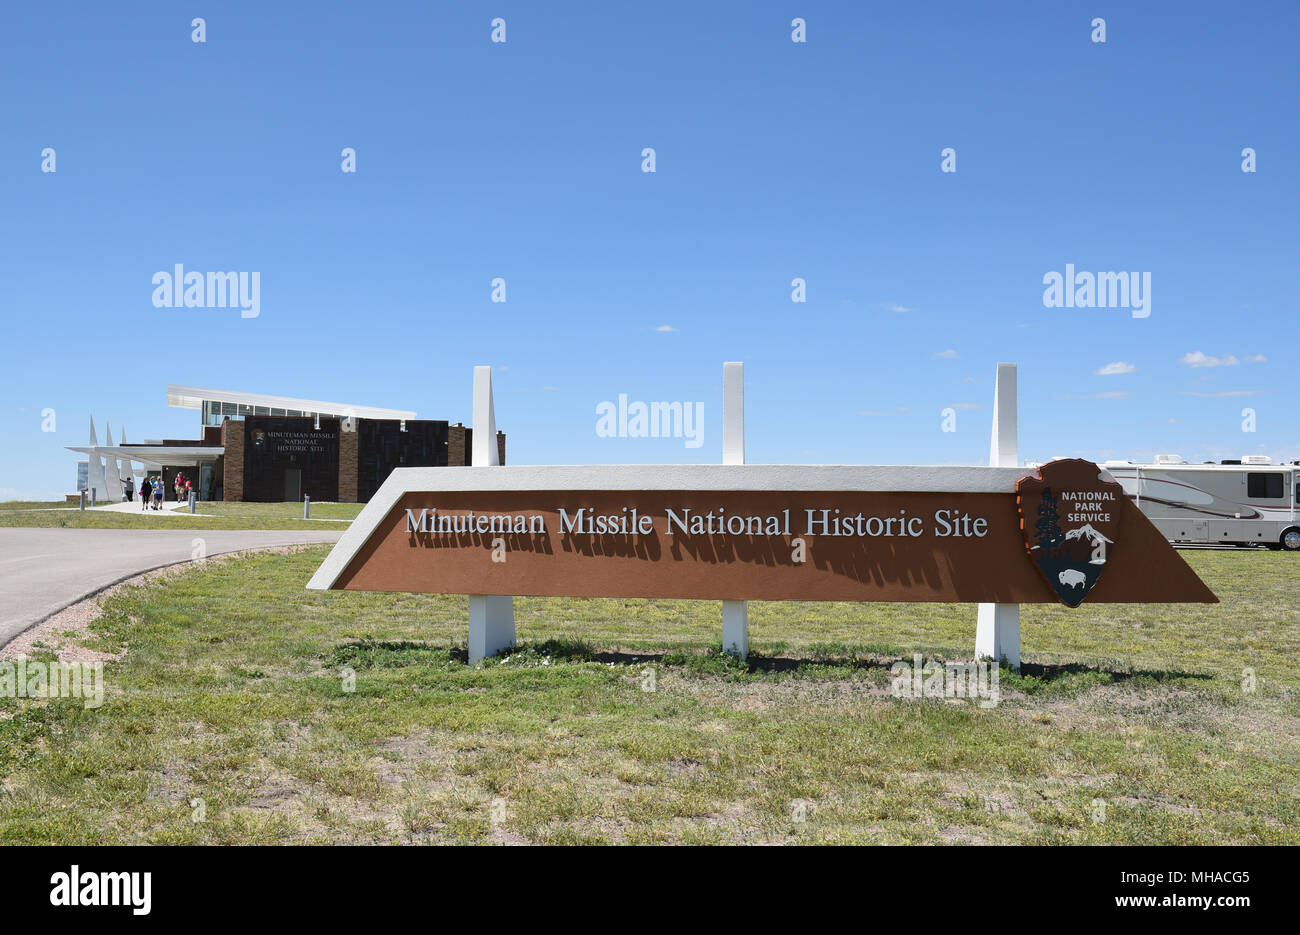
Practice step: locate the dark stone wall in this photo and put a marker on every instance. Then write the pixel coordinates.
(335, 465)
(382, 446)
(274, 444)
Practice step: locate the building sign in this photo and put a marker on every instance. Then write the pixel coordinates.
(762, 532)
(293, 442)
(276, 446)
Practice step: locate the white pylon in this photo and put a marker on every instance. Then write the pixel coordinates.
(95, 467)
(491, 616)
(112, 477)
(735, 614)
(997, 627)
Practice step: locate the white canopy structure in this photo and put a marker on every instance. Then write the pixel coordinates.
(217, 405)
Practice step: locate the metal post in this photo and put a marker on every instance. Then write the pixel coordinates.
(192, 498)
(92, 496)
(83, 500)
(306, 507)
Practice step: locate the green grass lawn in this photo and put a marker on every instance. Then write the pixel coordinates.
(10, 506)
(222, 516)
(232, 691)
(285, 511)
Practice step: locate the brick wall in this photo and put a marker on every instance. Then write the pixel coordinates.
(460, 445)
(232, 439)
(348, 462)
(458, 441)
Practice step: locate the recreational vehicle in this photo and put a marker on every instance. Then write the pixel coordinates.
(1246, 502)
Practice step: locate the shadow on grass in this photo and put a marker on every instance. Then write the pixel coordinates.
(1052, 673)
(819, 661)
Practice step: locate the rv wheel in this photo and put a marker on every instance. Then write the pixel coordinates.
(1291, 540)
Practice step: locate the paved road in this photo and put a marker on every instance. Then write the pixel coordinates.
(42, 571)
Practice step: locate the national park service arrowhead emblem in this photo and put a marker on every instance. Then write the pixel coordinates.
(1069, 515)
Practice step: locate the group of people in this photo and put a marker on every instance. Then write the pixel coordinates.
(153, 491)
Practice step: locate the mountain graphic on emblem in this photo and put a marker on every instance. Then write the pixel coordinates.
(1069, 516)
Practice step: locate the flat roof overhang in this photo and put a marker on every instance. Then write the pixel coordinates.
(154, 454)
(193, 397)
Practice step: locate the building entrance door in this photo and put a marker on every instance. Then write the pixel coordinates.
(293, 484)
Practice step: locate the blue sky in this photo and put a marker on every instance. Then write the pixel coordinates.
(774, 160)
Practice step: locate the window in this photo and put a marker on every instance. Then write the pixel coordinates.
(1264, 486)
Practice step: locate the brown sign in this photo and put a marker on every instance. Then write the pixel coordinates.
(747, 545)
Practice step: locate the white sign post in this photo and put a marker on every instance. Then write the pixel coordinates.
(491, 616)
(735, 614)
(997, 629)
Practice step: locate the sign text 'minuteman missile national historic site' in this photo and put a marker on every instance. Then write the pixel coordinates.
(763, 532)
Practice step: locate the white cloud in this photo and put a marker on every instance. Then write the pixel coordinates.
(949, 354)
(901, 309)
(1110, 394)
(1256, 359)
(1113, 369)
(963, 406)
(1198, 359)
(665, 328)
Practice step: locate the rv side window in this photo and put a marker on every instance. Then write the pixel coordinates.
(1264, 486)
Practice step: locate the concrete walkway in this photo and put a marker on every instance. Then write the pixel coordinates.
(169, 508)
(43, 571)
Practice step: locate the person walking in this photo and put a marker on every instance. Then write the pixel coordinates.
(157, 492)
(128, 489)
(145, 490)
